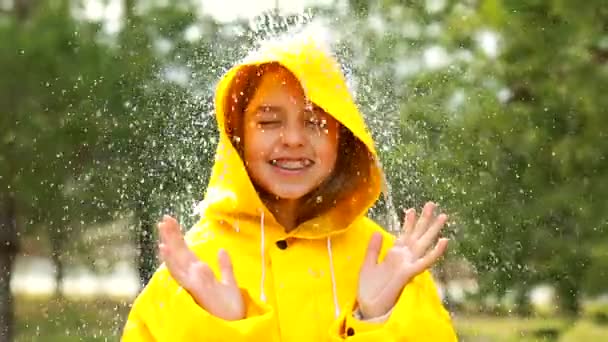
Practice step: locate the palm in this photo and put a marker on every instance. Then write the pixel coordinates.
(381, 283)
(221, 298)
(375, 279)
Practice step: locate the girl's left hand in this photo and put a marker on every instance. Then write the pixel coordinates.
(380, 284)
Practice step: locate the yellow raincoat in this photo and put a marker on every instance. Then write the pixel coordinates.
(301, 285)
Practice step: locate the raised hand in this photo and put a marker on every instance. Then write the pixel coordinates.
(223, 298)
(380, 284)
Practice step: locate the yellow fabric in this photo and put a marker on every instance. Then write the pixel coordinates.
(299, 304)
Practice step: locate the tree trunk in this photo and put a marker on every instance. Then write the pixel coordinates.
(129, 8)
(522, 302)
(568, 293)
(145, 240)
(6, 297)
(9, 245)
(57, 249)
(22, 8)
(146, 246)
(569, 281)
(568, 296)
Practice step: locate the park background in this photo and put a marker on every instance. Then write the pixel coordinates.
(495, 109)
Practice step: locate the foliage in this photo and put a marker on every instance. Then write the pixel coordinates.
(508, 140)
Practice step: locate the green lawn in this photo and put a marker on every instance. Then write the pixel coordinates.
(511, 329)
(69, 320)
(102, 320)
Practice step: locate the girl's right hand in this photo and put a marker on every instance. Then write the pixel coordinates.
(223, 298)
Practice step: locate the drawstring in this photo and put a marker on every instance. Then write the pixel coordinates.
(263, 239)
(333, 278)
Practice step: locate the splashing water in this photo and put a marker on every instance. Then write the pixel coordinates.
(174, 166)
(379, 110)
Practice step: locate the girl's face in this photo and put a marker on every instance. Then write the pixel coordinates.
(290, 145)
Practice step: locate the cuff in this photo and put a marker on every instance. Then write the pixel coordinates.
(380, 319)
(354, 324)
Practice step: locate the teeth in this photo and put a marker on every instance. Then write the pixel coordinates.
(291, 164)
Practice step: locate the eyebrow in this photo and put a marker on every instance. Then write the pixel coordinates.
(269, 108)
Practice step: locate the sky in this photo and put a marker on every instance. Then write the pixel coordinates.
(221, 10)
(226, 10)
(110, 11)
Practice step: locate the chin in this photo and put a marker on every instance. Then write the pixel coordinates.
(289, 194)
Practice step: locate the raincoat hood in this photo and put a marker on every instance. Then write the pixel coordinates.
(231, 196)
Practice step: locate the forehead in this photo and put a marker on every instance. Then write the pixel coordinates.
(279, 91)
(276, 83)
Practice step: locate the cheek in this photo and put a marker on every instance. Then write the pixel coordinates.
(255, 145)
(327, 148)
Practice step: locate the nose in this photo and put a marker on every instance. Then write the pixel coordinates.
(293, 135)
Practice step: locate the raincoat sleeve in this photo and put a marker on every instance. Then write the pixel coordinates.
(418, 315)
(166, 312)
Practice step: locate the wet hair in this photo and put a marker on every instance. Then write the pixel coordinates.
(353, 163)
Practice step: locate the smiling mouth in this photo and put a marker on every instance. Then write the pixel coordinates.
(292, 164)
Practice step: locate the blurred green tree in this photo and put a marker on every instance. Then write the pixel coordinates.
(502, 121)
(51, 123)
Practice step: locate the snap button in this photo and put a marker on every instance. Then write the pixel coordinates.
(350, 332)
(281, 244)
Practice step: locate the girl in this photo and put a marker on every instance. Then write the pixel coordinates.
(283, 251)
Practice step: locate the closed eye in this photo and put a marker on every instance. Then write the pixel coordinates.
(268, 123)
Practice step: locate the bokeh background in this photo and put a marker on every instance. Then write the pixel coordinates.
(495, 109)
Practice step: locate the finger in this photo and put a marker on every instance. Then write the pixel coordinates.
(169, 221)
(171, 258)
(427, 239)
(203, 273)
(163, 252)
(432, 256)
(409, 221)
(226, 268)
(172, 264)
(373, 249)
(171, 234)
(175, 252)
(170, 247)
(424, 220)
(163, 237)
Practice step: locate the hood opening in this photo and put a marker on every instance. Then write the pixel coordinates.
(353, 164)
(231, 196)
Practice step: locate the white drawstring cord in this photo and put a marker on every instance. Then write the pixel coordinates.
(262, 245)
(333, 278)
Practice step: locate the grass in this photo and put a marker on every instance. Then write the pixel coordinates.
(507, 329)
(511, 329)
(69, 320)
(40, 319)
